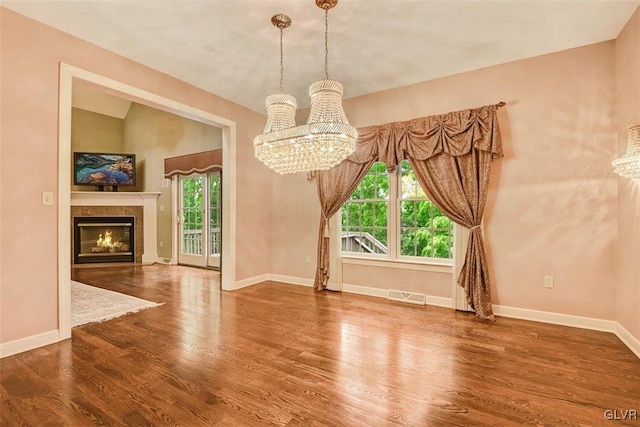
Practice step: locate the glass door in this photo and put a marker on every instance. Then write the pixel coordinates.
(192, 203)
(200, 217)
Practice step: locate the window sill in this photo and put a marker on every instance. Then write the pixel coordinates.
(444, 267)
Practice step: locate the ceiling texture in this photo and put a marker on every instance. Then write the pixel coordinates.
(230, 48)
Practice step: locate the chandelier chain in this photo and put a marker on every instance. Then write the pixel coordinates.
(281, 61)
(326, 44)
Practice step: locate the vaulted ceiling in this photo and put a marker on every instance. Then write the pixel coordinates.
(230, 48)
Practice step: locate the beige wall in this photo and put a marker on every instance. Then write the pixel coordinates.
(628, 81)
(552, 206)
(94, 132)
(429, 283)
(154, 135)
(30, 57)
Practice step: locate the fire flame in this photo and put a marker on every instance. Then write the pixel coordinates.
(106, 241)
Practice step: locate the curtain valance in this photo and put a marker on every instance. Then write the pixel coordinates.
(203, 162)
(454, 133)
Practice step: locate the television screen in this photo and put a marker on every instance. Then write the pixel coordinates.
(104, 169)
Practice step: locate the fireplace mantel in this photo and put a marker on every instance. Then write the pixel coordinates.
(111, 198)
(148, 200)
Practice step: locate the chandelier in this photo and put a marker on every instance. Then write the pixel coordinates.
(629, 164)
(326, 139)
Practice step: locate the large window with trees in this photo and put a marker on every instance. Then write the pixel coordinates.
(389, 216)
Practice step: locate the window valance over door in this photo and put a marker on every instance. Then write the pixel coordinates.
(204, 162)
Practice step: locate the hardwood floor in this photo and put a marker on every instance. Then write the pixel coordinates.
(276, 354)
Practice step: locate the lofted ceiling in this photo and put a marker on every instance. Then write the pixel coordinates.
(230, 48)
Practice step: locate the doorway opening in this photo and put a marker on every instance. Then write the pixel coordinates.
(200, 217)
(70, 76)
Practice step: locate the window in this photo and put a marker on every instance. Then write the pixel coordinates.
(365, 214)
(389, 216)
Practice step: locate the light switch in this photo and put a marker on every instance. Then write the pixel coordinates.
(47, 198)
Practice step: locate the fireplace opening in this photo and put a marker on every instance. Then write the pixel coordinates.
(103, 239)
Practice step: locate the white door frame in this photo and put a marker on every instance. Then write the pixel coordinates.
(213, 260)
(70, 74)
(175, 221)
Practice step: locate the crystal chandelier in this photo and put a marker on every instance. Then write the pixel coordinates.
(629, 164)
(326, 139)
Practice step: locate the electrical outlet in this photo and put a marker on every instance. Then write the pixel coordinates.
(307, 259)
(548, 282)
(161, 244)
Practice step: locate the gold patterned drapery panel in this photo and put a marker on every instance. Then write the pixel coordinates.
(451, 155)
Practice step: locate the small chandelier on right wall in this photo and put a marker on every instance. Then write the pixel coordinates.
(629, 164)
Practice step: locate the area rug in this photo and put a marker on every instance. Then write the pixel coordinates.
(90, 304)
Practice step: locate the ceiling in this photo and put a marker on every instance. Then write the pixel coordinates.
(230, 48)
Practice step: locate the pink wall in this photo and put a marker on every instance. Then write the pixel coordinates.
(552, 208)
(628, 80)
(31, 53)
(294, 225)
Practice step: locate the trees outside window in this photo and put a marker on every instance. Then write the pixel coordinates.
(365, 214)
(389, 216)
(192, 197)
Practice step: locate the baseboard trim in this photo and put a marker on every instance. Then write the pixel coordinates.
(149, 259)
(555, 318)
(250, 281)
(439, 301)
(28, 343)
(628, 339)
(365, 290)
(300, 281)
(291, 280)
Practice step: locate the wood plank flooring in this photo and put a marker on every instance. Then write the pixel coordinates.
(282, 355)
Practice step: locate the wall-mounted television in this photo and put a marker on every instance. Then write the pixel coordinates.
(104, 169)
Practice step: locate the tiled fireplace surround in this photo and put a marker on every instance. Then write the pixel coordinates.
(142, 206)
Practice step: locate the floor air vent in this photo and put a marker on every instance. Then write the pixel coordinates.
(410, 297)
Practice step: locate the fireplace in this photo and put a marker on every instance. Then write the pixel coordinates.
(103, 239)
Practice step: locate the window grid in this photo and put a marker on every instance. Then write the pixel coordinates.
(415, 229)
(192, 216)
(364, 215)
(425, 232)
